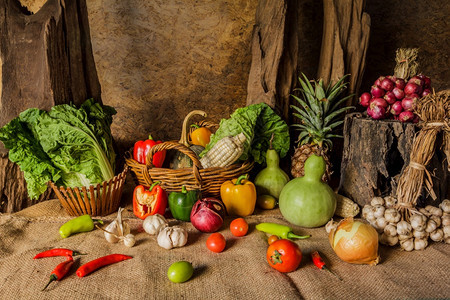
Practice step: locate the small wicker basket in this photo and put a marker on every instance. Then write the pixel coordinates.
(207, 180)
(97, 200)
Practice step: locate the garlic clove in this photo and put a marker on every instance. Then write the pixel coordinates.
(437, 235)
(152, 223)
(407, 245)
(420, 244)
(129, 240)
(377, 201)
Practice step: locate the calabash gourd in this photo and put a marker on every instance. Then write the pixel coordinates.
(307, 201)
(272, 179)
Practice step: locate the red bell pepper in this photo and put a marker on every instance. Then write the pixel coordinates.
(141, 149)
(149, 202)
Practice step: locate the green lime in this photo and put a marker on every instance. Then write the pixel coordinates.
(266, 201)
(180, 271)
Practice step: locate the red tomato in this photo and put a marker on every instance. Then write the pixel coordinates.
(216, 242)
(272, 239)
(239, 227)
(284, 255)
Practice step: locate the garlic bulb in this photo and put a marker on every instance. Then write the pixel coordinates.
(437, 220)
(407, 245)
(377, 201)
(368, 212)
(420, 244)
(445, 220)
(381, 223)
(403, 228)
(437, 235)
(152, 223)
(379, 211)
(418, 222)
(446, 231)
(116, 228)
(407, 236)
(424, 212)
(436, 211)
(390, 229)
(445, 206)
(171, 237)
(388, 239)
(129, 240)
(392, 215)
(390, 201)
(431, 226)
(420, 234)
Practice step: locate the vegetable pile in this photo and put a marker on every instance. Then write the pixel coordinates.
(395, 98)
(70, 146)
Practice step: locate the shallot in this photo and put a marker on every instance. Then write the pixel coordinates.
(406, 116)
(377, 92)
(398, 93)
(364, 99)
(387, 84)
(412, 88)
(390, 97)
(400, 83)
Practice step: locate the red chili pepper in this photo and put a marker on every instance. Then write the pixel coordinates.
(141, 149)
(317, 260)
(60, 271)
(149, 202)
(57, 252)
(95, 264)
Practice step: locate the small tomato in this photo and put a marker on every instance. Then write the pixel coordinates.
(216, 242)
(266, 201)
(201, 136)
(239, 227)
(284, 255)
(272, 239)
(180, 271)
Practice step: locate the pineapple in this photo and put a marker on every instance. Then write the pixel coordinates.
(318, 113)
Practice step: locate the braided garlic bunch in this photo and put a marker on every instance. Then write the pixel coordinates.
(430, 222)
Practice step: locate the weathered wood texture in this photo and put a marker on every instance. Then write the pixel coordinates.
(375, 153)
(344, 43)
(46, 59)
(274, 55)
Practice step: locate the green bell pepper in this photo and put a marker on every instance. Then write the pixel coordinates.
(181, 203)
(82, 223)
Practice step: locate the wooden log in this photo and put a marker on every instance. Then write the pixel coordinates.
(374, 155)
(45, 59)
(344, 43)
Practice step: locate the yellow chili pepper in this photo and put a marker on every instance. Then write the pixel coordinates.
(239, 196)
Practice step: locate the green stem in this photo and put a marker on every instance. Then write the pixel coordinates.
(52, 278)
(154, 184)
(183, 189)
(97, 220)
(240, 178)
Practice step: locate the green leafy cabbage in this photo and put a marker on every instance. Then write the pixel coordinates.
(258, 122)
(67, 145)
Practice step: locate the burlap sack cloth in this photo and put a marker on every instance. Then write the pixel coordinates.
(240, 272)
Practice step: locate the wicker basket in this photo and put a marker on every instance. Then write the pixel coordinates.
(99, 200)
(207, 180)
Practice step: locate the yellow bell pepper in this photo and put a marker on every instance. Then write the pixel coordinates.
(239, 196)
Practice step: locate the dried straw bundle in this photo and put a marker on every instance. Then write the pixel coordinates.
(434, 113)
(406, 62)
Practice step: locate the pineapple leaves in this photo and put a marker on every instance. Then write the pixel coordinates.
(335, 114)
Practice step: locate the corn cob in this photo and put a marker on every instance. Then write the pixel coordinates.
(346, 207)
(225, 152)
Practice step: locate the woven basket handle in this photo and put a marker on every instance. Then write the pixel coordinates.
(183, 149)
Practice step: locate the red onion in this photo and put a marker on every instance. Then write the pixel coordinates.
(412, 88)
(376, 91)
(408, 103)
(417, 80)
(406, 116)
(426, 92)
(207, 214)
(378, 81)
(387, 84)
(378, 102)
(390, 97)
(400, 83)
(376, 112)
(396, 108)
(398, 93)
(392, 78)
(364, 99)
(426, 81)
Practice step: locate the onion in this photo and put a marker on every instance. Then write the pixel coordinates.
(207, 214)
(390, 97)
(406, 116)
(378, 81)
(364, 99)
(398, 93)
(409, 103)
(412, 88)
(426, 92)
(376, 91)
(378, 102)
(426, 81)
(400, 83)
(417, 80)
(396, 108)
(387, 84)
(392, 78)
(355, 242)
(376, 112)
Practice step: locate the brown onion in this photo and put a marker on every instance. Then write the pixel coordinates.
(355, 242)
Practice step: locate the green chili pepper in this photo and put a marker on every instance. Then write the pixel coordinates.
(82, 223)
(181, 203)
(283, 231)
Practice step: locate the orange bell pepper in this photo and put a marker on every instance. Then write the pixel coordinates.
(149, 202)
(239, 196)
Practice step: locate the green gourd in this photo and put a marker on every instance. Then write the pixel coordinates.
(307, 201)
(272, 179)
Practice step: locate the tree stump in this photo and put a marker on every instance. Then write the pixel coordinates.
(375, 154)
(45, 59)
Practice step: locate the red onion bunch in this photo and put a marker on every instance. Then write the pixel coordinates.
(394, 98)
